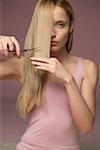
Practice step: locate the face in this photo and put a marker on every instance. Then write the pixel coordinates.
(61, 29)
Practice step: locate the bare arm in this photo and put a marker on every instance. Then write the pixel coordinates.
(10, 66)
(83, 104)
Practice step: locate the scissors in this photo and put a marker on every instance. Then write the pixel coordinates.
(25, 50)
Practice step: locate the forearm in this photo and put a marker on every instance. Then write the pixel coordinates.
(82, 115)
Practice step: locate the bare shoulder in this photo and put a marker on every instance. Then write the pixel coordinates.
(90, 70)
(90, 66)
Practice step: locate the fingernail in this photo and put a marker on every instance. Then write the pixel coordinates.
(18, 55)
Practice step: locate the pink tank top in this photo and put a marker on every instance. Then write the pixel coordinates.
(53, 128)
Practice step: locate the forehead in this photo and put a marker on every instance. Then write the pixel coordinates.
(60, 14)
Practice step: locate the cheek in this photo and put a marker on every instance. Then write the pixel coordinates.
(64, 37)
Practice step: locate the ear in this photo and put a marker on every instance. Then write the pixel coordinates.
(71, 28)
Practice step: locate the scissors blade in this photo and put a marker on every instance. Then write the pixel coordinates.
(25, 50)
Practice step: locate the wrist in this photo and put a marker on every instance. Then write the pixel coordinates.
(68, 80)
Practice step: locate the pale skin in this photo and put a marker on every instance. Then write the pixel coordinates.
(60, 66)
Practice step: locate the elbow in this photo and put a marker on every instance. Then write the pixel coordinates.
(2, 77)
(86, 131)
(87, 128)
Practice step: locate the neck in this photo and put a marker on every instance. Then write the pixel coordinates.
(62, 55)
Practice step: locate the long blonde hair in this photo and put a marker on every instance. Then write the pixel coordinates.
(39, 39)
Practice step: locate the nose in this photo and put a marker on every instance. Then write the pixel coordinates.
(53, 34)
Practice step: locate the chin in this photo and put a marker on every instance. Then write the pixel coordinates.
(55, 49)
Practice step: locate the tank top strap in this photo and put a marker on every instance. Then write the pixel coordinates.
(79, 70)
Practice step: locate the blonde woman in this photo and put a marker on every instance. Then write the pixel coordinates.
(58, 91)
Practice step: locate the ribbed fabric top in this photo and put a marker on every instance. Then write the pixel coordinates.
(53, 126)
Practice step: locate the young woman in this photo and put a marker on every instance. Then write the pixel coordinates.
(58, 90)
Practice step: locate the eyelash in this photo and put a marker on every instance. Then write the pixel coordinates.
(61, 25)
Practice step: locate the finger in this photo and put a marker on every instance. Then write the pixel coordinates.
(45, 60)
(1, 48)
(1, 45)
(37, 63)
(6, 52)
(10, 45)
(42, 68)
(17, 46)
(4, 47)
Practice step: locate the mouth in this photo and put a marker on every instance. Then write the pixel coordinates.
(53, 43)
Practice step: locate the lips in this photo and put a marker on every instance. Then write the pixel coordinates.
(53, 43)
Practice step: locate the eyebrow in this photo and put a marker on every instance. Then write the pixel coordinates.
(60, 21)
